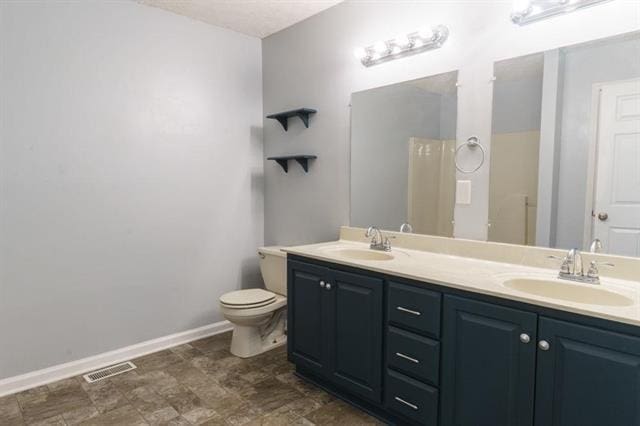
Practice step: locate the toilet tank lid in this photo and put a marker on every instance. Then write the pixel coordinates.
(272, 250)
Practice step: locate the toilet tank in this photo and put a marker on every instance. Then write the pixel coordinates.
(273, 266)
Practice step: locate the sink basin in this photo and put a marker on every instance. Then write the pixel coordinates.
(579, 293)
(361, 254)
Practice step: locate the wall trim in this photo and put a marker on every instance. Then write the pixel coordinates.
(32, 379)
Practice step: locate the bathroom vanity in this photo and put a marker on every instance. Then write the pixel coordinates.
(437, 339)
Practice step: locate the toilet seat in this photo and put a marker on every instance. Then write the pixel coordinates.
(247, 299)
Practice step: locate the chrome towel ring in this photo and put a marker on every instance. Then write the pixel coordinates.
(472, 143)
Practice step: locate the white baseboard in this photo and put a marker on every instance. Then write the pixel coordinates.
(74, 368)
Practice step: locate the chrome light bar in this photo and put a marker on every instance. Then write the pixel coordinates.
(416, 42)
(528, 11)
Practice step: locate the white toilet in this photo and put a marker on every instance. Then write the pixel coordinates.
(259, 315)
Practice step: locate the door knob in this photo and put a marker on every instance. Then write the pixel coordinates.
(543, 345)
(328, 287)
(603, 216)
(322, 284)
(524, 338)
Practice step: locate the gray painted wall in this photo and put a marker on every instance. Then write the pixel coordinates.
(131, 176)
(549, 156)
(583, 67)
(516, 105)
(382, 121)
(311, 64)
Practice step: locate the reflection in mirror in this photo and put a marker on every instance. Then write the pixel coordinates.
(515, 143)
(402, 145)
(565, 150)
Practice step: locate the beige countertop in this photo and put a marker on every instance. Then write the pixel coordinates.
(479, 276)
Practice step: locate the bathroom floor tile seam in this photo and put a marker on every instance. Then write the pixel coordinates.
(199, 383)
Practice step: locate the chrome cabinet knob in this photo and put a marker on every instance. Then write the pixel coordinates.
(603, 216)
(328, 286)
(543, 345)
(524, 338)
(322, 284)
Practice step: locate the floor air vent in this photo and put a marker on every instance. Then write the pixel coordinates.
(111, 371)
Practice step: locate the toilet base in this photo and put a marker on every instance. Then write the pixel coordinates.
(247, 341)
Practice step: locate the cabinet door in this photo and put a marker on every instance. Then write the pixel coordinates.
(307, 328)
(587, 377)
(355, 333)
(488, 371)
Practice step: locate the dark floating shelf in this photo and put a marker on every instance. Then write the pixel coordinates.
(303, 160)
(283, 117)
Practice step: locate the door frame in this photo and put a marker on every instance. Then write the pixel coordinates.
(592, 158)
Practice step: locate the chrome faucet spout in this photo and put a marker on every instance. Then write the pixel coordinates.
(572, 268)
(378, 241)
(596, 246)
(574, 257)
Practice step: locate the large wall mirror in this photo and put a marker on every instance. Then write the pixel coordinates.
(565, 147)
(402, 144)
(563, 156)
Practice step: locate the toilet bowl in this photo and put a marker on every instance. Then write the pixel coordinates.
(259, 315)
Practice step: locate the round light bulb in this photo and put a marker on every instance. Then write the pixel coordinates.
(359, 53)
(521, 7)
(402, 40)
(425, 33)
(380, 47)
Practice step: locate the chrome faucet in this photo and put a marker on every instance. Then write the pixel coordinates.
(596, 246)
(378, 241)
(574, 260)
(572, 268)
(406, 227)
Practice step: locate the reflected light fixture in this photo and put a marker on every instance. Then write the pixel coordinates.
(528, 11)
(426, 38)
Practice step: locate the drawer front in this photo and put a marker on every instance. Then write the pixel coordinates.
(411, 399)
(416, 356)
(414, 308)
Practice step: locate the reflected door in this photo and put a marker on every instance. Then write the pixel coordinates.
(617, 195)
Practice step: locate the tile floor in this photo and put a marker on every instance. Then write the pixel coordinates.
(193, 384)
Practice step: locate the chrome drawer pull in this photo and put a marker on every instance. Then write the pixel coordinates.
(408, 404)
(409, 311)
(408, 358)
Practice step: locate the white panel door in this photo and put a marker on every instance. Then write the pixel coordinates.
(617, 195)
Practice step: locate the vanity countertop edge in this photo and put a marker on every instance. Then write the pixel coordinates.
(476, 276)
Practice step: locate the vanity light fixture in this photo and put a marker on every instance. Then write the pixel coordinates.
(424, 39)
(528, 11)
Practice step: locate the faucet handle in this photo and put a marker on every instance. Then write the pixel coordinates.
(566, 262)
(593, 268)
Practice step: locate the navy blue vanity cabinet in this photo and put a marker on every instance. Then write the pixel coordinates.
(586, 376)
(307, 312)
(335, 327)
(488, 364)
(354, 341)
(413, 353)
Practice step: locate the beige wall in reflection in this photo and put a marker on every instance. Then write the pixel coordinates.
(431, 186)
(513, 193)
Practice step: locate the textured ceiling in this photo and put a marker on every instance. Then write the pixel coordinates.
(258, 18)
